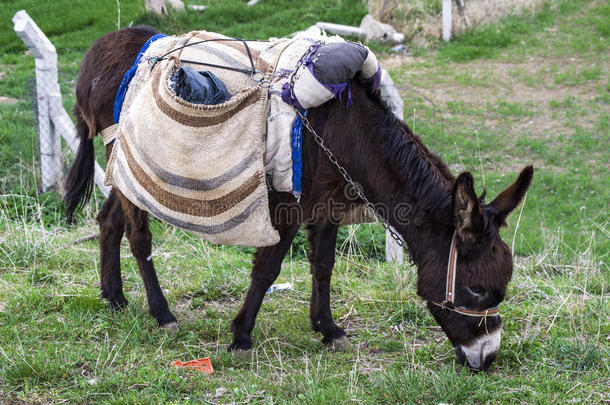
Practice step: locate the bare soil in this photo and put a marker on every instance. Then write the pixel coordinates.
(495, 81)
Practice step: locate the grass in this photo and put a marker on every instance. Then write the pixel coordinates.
(527, 89)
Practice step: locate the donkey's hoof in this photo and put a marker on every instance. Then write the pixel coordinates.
(242, 354)
(171, 326)
(117, 303)
(341, 344)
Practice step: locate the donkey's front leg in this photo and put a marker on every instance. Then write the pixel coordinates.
(322, 241)
(140, 242)
(267, 266)
(112, 226)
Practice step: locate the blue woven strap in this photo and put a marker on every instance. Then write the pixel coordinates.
(120, 94)
(296, 142)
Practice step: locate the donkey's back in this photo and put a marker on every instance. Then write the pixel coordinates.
(101, 73)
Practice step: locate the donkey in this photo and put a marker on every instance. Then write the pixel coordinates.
(445, 221)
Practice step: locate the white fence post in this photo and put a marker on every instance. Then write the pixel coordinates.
(447, 27)
(46, 68)
(391, 96)
(53, 120)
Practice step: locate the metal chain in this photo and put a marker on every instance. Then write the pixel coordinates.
(333, 159)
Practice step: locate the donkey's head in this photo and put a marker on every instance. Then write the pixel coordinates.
(472, 274)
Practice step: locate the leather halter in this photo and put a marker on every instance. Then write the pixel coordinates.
(449, 301)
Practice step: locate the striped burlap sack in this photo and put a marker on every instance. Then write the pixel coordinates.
(198, 167)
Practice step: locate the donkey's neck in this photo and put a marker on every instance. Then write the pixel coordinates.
(421, 177)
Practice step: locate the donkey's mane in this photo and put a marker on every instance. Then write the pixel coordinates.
(425, 176)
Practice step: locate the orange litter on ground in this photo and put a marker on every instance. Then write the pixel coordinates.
(204, 365)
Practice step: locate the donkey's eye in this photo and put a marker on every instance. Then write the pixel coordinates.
(477, 291)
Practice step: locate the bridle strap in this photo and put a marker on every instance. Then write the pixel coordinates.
(494, 311)
(449, 301)
(451, 267)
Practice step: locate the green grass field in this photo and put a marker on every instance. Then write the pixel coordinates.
(528, 89)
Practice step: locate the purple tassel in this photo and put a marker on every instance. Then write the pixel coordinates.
(336, 89)
(288, 98)
(349, 100)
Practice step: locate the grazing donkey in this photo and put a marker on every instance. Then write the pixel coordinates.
(452, 235)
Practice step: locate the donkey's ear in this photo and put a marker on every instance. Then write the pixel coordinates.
(510, 198)
(467, 216)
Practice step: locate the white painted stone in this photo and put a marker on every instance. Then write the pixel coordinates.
(378, 31)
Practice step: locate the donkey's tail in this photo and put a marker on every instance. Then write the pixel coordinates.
(79, 183)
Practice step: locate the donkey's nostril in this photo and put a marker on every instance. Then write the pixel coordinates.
(461, 356)
(488, 360)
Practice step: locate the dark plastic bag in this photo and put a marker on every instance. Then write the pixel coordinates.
(199, 87)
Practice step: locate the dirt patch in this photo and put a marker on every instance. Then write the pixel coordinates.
(8, 100)
(395, 61)
(187, 314)
(482, 87)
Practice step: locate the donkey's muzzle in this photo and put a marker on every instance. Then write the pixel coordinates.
(481, 353)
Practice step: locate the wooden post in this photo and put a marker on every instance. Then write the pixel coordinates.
(391, 96)
(53, 120)
(447, 20)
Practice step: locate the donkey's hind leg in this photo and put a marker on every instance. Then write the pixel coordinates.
(322, 241)
(140, 242)
(112, 226)
(267, 266)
